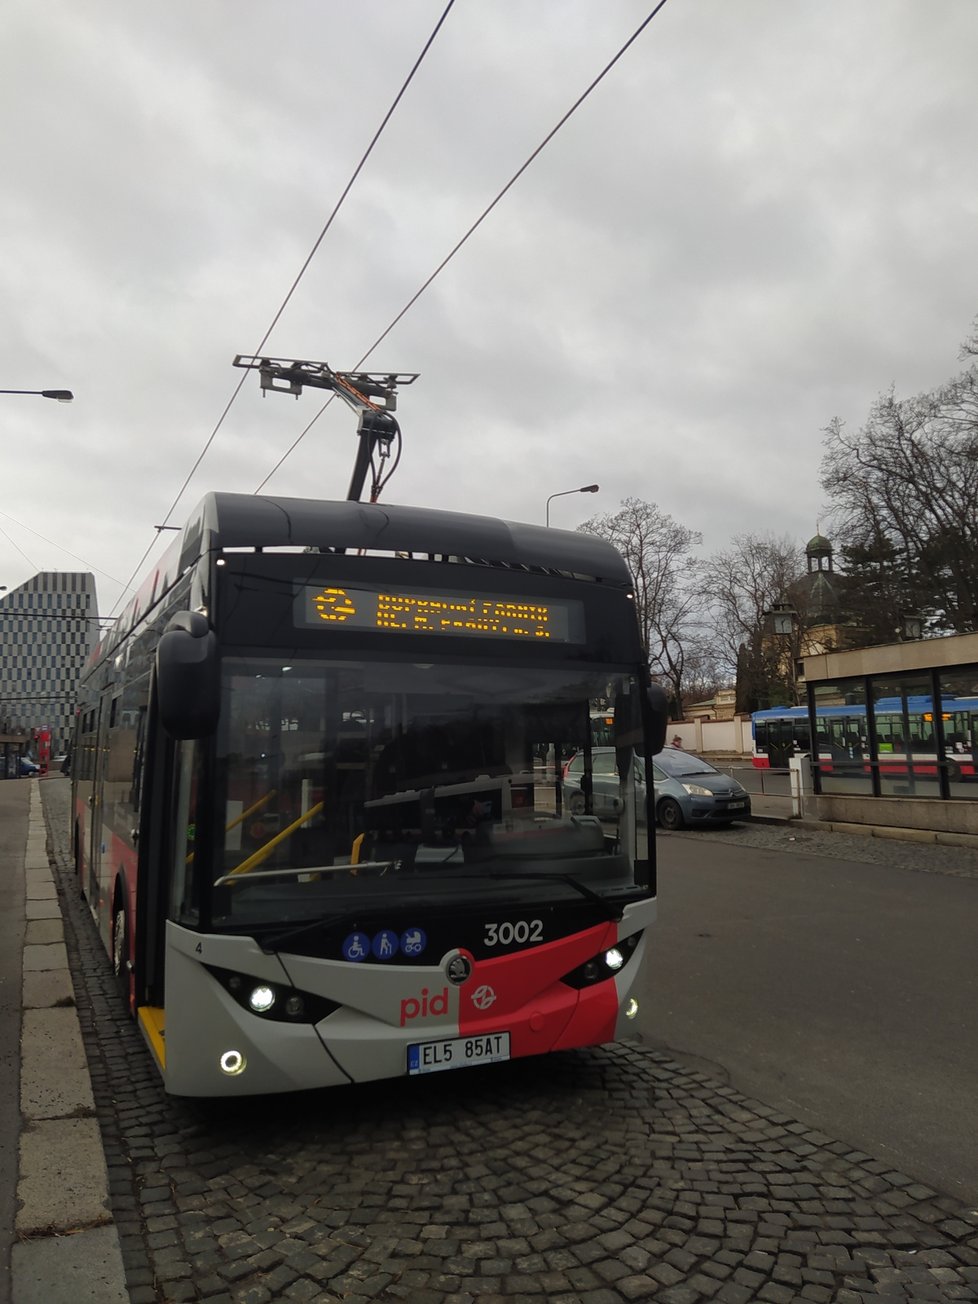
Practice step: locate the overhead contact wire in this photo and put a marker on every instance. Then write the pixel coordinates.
(472, 229)
(312, 253)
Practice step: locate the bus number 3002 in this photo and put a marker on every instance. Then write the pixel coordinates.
(505, 934)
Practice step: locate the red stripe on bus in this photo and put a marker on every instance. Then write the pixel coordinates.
(521, 993)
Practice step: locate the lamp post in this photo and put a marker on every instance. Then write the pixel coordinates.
(784, 624)
(783, 619)
(61, 395)
(911, 625)
(584, 489)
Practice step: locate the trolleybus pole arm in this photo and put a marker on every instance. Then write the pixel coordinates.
(358, 389)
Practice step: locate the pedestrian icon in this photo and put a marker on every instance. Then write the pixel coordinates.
(385, 944)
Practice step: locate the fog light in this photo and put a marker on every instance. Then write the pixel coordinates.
(232, 1063)
(631, 1009)
(614, 959)
(294, 1007)
(262, 999)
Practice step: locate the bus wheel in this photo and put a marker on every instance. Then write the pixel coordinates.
(120, 951)
(670, 814)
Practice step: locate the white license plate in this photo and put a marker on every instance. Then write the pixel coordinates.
(736, 805)
(457, 1052)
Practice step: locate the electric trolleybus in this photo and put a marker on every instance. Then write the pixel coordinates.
(903, 734)
(309, 814)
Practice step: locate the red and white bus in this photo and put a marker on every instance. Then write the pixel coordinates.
(307, 817)
(902, 732)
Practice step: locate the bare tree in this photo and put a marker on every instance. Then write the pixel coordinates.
(705, 676)
(658, 551)
(905, 488)
(742, 584)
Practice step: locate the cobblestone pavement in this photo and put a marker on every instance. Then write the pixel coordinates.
(589, 1178)
(804, 838)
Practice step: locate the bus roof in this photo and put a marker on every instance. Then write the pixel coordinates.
(882, 706)
(246, 520)
(262, 523)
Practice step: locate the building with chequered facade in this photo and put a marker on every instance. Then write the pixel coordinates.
(48, 628)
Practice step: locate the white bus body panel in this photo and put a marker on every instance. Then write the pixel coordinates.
(383, 1010)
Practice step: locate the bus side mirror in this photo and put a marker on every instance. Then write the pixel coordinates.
(187, 679)
(658, 708)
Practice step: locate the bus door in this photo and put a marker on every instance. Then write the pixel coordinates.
(98, 756)
(780, 743)
(167, 860)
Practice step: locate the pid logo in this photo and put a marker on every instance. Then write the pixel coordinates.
(424, 1006)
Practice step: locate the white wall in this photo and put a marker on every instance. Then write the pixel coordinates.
(709, 736)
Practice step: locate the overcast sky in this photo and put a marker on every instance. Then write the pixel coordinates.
(764, 216)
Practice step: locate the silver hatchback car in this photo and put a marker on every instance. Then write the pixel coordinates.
(688, 791)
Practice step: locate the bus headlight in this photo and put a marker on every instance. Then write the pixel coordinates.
(603, 965)
(271, 1000)
(262, 998)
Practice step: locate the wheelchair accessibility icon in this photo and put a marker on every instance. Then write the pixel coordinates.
(356, 947)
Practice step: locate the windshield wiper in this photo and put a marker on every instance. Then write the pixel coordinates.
(515, 876)
(295, 871)
(275, 942)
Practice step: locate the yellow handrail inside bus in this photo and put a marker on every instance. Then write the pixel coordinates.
(243, 816)
(263, 852)
(250, 811)
(355, 849)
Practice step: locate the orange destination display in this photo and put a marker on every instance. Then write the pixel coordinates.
(440, 611)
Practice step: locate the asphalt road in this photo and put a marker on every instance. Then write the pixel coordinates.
(840, 991)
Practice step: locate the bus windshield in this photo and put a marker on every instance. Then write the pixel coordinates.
(347, 784)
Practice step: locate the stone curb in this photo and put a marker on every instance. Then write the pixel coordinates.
(892, 831)
(69, 1251)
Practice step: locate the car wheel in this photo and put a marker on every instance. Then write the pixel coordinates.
(575, 803)
(670, 814)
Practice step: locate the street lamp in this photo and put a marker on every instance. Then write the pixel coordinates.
(62, 395)
(783, 619)
(784, 624)
(584, 489)
(912, 625)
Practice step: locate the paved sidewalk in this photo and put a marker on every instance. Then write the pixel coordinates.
(67, 1251)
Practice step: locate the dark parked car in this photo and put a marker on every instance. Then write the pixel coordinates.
(688, 791)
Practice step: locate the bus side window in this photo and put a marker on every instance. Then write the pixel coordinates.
(184, 894)
(138, 760)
